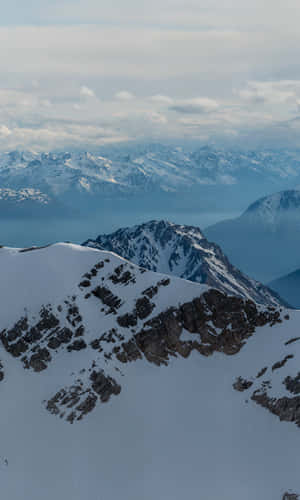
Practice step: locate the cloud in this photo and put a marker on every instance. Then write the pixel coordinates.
(162, 99)
(157, 117)
(86, 92)
(195, 106)
(46, 103)
(184, 49)
(55, 137)
(124, 95)
(4, 131)
(279, 91)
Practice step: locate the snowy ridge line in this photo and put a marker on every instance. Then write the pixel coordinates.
(139, 169)
(183, 251)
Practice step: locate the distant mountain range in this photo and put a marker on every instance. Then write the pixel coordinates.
(25, 202)
(83, 178)
(182, 251)
(265, 240)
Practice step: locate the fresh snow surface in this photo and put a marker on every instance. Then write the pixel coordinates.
(174, 432)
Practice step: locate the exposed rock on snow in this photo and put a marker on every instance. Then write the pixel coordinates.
(83, 366)
(142, 315)
(290, 496)
(241, 384)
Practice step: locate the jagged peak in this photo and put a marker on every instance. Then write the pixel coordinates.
(182, 251)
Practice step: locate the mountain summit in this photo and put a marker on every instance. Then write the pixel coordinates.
(182, 251)
(271, 209)
(265, 240)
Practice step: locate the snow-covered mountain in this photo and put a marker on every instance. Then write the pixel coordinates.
(23, 195)
(139, 169)
(145, 366)
(265, 240)
(182, 251)
(271, 209)
(26, 202)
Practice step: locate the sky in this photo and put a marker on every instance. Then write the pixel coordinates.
(82, 74)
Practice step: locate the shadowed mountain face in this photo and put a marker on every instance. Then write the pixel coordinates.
(288, 287)
(182, 251)
(265, 240)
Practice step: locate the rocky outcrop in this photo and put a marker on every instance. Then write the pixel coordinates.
(292, 384)
(211, 322)
(33, 341)
(242, 384)
(290, 496)
(75, 402)
(107, 298)
(104, 386)
(218, 322)
(280, 364)
(286, 408)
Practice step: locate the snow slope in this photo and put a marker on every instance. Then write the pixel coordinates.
(182, 251)
(177, 429)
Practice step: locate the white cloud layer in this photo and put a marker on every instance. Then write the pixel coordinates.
(86, 92)
(195, 106)
(124, 95)
(83, 73)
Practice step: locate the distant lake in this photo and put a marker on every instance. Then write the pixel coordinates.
(28, 232)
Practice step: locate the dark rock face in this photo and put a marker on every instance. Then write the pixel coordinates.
(37, 341)
(280, 364)
(1, 371)
(39, 360)
(62, 336)
(262, 372)
(107, 297)
(104, 386)
(242, 384)
(85, 284)
(287, 409)
(121, 276)
(77, 345)
(290, 496)
(72, 403)
(291, 341)
(75, 402)
(143, 309)
(293, 384)
(233, 320)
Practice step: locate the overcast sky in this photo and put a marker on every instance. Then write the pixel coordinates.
(80, 73)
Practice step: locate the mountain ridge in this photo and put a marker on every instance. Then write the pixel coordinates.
(182, 251)
(144, 169)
